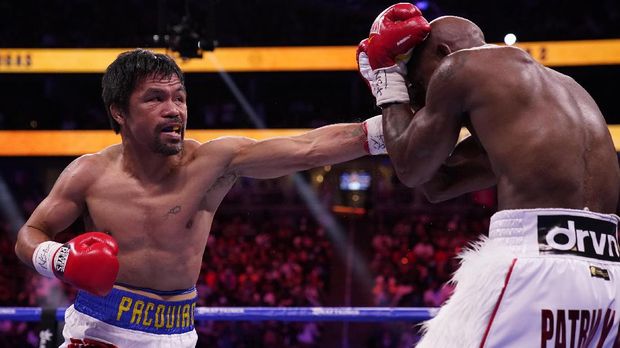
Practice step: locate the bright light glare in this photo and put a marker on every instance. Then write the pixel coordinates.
(510, 39)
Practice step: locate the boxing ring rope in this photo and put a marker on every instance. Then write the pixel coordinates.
(286, 314)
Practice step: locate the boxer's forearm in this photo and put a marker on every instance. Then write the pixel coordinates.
(335, 143)
(396, 121)
(414, 149)
(276, 157)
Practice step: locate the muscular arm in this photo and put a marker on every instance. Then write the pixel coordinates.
(57, 211)
(467, 169)
(275, 157)
(418, 144)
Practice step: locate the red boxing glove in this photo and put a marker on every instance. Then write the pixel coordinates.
(88, 261)
(394, 34)
(382, 58)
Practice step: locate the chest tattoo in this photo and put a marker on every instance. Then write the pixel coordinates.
(173, 211)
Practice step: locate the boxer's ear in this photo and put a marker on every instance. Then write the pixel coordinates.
(443, 50)
(117, 114)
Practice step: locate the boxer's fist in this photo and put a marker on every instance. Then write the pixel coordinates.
(394, 34)
(382, 58)
(88, 261)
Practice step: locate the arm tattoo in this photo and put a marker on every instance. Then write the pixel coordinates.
(358, 131)
(223, 181)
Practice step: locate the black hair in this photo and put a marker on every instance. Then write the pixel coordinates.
(129, 69)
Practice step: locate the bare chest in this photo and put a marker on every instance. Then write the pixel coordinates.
(138, 213)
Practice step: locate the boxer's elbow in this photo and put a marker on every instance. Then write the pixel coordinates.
(433, 195)
(22, 251)
(410, 177)
(438, 188)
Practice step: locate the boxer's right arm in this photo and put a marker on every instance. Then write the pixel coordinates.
(87, 261)
(418, 144)
(57, 211)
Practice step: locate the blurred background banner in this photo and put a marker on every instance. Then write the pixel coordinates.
(79, 142)
(255, 59)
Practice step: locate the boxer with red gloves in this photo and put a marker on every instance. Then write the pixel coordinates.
(87, 261)
(383, 56)
(156, 194)
(537, 135)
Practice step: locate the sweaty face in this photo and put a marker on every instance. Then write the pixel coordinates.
(158, 114)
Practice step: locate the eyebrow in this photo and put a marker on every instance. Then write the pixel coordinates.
(160, 90)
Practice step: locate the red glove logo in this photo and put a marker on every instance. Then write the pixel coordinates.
(60, 261)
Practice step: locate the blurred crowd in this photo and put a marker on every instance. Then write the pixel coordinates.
(274, 261)
(415, 260)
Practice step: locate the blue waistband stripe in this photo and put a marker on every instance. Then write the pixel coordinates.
(132, 311)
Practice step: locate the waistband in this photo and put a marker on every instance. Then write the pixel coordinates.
(129, 310)
(557, 231)
(159, 292)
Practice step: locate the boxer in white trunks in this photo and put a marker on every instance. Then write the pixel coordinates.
(548, 274)
(151, 200)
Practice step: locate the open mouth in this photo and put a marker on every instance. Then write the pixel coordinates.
(173, 129)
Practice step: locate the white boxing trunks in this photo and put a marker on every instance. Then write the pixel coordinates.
(125, 318)
(543, 278)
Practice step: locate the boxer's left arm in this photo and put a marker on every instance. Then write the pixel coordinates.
(467, 169)
(280, 156)
(419, 144)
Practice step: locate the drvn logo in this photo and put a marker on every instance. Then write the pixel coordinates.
(578, 235)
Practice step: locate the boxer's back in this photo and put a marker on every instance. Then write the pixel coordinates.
(546, 138)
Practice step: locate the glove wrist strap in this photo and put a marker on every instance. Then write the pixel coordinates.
(389, 86)
(43, 258)
(375, 143)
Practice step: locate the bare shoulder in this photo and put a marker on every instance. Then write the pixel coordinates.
(493, 52)
(223, 147)
(476, 71)
(450, 79)
(213, 160)
(493, 60)
(91, 165)
(82, 172)
(216, 156)
(455, 68)
(479, 58)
